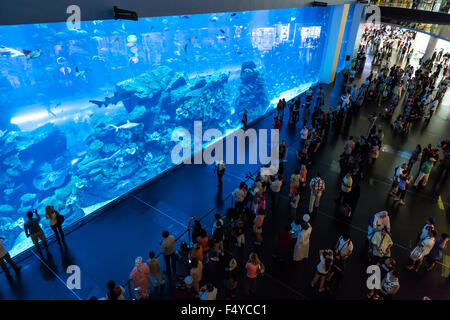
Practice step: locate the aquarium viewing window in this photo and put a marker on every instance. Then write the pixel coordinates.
(87, 115)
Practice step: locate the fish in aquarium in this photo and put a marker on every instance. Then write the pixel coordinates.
(93, 117)
(127, 125)
(80, 73)
(116, 98)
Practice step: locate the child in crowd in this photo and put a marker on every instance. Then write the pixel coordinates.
(155, 270)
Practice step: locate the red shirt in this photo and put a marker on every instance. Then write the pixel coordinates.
(279, 106)
(204, 243)
(252, 270)
(277, 124)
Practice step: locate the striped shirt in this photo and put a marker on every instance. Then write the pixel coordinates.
(317, 184)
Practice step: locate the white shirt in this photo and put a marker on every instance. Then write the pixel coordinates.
(428, 244)
(168, 246)
(322, 265)
(304, 235)
(424, 233)
(3, 251)
(209, 295)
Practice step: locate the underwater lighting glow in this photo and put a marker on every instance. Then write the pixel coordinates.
(34, 116)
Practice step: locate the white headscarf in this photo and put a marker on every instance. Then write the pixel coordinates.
(138, 263)
(383, 221)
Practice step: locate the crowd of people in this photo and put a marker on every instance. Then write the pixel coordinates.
(417, 91)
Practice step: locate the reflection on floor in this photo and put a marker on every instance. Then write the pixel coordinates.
(106, 247)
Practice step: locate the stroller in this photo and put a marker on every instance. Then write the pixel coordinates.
(388, 111)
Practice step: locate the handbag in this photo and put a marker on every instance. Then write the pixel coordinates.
(59, 217)
(345, 210)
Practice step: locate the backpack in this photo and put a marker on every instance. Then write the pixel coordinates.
(371, 220)
(345, 210)
(59, 217)
(395, 172)
(346, 245)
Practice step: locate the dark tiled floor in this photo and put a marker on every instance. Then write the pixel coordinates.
(105, 247)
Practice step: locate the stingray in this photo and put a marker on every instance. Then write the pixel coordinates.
(50, 180)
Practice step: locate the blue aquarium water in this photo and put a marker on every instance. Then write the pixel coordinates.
(87, 115)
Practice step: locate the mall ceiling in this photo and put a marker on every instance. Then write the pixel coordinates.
(44, 11)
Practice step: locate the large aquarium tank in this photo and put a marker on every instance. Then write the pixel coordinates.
(87, 115)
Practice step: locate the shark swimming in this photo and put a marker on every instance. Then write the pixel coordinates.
(109, 100)
(98, 162)
(127, 125)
